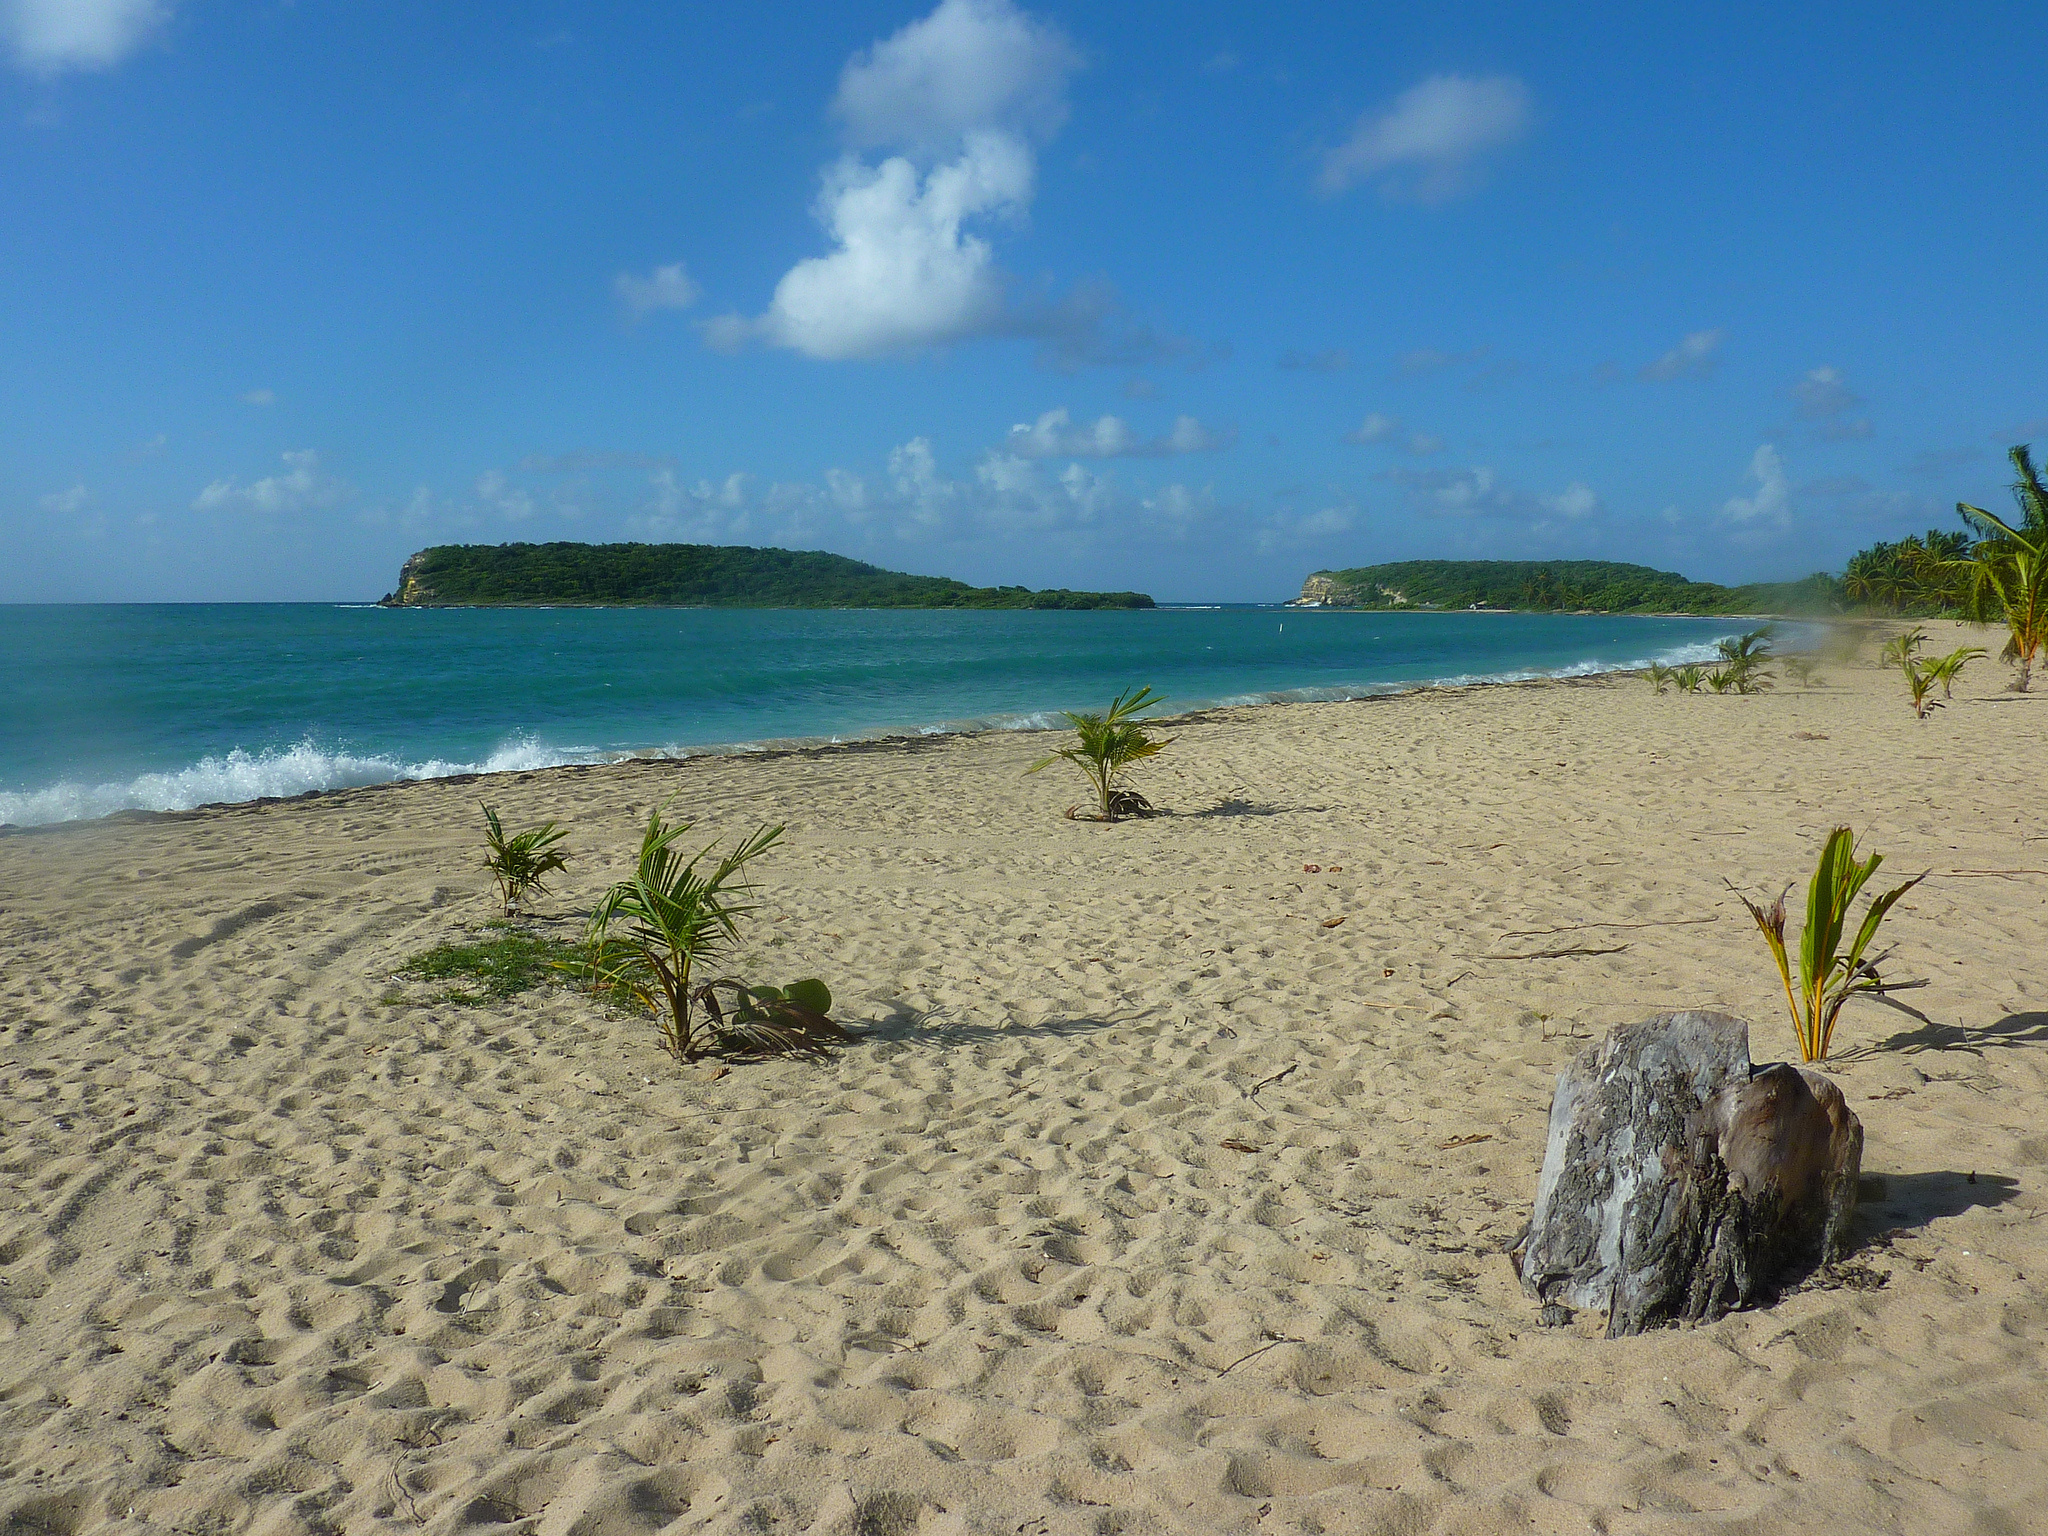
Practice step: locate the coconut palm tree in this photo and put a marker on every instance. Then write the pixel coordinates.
(2006, 571)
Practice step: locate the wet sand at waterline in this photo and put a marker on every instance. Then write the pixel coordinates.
(1153, 1199)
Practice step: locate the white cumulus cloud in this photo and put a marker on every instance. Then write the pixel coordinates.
(970, 66)
(955, 102)
(1771, 503)
(907, 272)
(1431, 138)
(48, 37)
(1692, 358)
(666, 287)
(301, 485)
(1058, 435)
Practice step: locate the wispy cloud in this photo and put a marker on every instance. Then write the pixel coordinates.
(666, 287)
(1770, 504)
(66, 503)
(302, 485)
(1941, 463)
(1692, 358)
(48, 37)
(1427, 360)
(1381, 429)
(259, 397)
(1057, 435)
(1826, 401)
(916, 501)
(1428, 144)
(1575, 502)
(496, 493)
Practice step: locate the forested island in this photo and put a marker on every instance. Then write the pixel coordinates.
(694, 576)
(1559, 586)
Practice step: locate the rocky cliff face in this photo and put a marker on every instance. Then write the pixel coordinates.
(413, 589)
(1321, 592)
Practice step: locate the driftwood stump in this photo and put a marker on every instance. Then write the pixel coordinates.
(1680, 1181)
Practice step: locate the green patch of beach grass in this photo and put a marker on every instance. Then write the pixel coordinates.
(501, 963)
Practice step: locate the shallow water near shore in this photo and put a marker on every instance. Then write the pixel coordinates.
(165, 707)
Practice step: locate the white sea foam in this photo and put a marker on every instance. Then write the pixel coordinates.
(242, 776)
(239, 776)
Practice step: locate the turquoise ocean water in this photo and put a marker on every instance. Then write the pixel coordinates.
(167, 707)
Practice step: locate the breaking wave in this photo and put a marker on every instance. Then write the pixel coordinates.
(277, 772)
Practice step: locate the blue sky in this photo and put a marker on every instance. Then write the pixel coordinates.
(1175, 297)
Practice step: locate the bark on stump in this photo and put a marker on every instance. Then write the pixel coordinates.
(1680, 1180)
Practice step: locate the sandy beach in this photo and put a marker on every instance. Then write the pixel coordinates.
(1167, 1190)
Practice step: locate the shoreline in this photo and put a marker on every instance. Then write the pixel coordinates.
(903, 740)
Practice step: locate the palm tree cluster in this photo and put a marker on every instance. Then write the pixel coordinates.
(1996, 572)
(1891, 574)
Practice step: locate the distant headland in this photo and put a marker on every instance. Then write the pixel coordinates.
(694, 576)
(1558, 586)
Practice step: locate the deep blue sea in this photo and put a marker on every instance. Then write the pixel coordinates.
(166, 707)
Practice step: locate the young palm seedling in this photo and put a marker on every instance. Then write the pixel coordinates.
(522, 862)
(1945, 669)
(1743, 659)
(1898, 651)
(655, 933)
(1104, 748)
(1920, 680)
(1804, 669)
(1688, 678)
(1661, 677)
(1828, 974)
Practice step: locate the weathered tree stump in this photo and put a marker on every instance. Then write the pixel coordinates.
(1680, 1181)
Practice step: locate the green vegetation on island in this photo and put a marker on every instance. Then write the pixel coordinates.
(1559, 586)
(695, 576)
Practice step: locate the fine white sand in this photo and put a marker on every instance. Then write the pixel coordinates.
(1149, 1203)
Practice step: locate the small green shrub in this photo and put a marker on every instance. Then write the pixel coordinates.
(1661, 677)
(1804, 670)
(520, 863)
